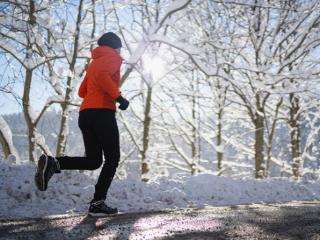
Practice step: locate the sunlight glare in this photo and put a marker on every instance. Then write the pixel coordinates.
(154, 66)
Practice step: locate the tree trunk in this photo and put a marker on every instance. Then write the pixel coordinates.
(221, 100)
(219, 142)
(6, 140)
(27, 117)
(62, 137)
(270, 137)
(27, 89)
(295, 135)
(4, 145)
(258, 146)
(194, 152)
(194, 168)
(63, 132)
(145, 142)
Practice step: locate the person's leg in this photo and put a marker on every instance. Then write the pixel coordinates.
(108, 135)
(93, 147)
(48, 165)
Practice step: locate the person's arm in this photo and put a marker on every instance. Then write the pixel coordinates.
(83, 88)
(106, 83)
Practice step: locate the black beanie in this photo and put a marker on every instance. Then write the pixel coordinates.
(111, 40)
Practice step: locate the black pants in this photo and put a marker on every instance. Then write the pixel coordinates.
(100, 134)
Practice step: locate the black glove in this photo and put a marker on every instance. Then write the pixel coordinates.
(124, 103)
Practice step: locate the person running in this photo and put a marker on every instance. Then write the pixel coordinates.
(98, 125)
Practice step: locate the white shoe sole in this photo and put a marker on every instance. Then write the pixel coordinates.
(101, 214)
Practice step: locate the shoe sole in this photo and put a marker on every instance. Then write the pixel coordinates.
(101, 214)
(39, 177)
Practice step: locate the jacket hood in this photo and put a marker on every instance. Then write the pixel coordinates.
(103, 51)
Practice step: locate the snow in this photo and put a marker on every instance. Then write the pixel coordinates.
(179, 45)
(33, 113)
(54, 98)
(41, 141)
(134, 58)
(70, 192)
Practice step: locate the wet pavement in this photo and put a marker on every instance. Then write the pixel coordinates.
(296, 220)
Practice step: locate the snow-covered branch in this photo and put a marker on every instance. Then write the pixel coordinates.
(175, 6)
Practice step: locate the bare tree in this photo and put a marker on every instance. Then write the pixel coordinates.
(269, 45)
(149, 23)
(180, 115)
(25, 34)
(71, 78)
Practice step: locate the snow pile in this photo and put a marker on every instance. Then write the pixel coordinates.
(71, 191)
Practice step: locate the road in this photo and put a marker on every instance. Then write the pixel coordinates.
(295, 220)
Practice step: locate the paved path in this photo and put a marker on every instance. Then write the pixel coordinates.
(297, 220)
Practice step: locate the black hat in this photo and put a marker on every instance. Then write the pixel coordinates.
(110, 39)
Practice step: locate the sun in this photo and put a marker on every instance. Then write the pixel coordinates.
(153, 66)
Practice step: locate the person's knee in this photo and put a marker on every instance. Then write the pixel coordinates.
(114, 164)
(95, 164)
(113, 160)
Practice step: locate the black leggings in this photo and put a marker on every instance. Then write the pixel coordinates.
(100, 134)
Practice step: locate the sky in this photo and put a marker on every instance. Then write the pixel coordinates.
(12, 77)
(10, 104)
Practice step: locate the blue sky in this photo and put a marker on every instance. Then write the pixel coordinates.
(10, 102)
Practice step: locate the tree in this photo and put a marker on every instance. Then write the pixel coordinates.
(73, 55)
(269, 36)
(22, 39)
(151, 23)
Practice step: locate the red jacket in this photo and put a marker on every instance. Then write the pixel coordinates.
(100, 87)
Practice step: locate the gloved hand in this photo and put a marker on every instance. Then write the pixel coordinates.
(124, 103)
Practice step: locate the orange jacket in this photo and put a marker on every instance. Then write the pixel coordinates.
(100, 86)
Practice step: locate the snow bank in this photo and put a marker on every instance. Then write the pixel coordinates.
(71, 191)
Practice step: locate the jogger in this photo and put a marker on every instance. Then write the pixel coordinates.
(97, 121)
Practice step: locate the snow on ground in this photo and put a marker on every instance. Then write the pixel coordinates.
(71, 191)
